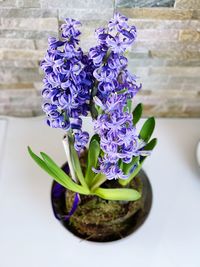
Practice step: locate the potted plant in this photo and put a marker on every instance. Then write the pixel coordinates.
(100, 193)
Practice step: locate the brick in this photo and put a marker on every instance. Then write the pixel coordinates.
(13, 34)
(16, 43)
(74, 4)
(14, 95)
(38, 86)
(181, 55)
(144, 3)
(28, 3)
(139, 53)
(85, 14)
(139, 71)
(160, 24)
(187, 4)
(189, 35)
(16, 86)
(189, 62)
(31, 24)
(190, 80)
(168, 104)
(192, 111)
(196, 14)
(175, 71)
(41, 44)
(21, 54)
(138, 62)
(16, 103)
(27, 64)
(15, 75)
(163, 45)
(158, 13)
(157, 35)
(7, 3)
(27, 13)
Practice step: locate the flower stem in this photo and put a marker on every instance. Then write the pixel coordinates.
(67, 152)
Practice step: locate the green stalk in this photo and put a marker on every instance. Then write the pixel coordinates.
(99, 179)
(76, 163)
(69, 160)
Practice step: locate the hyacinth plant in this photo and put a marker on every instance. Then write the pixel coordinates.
(97, 83)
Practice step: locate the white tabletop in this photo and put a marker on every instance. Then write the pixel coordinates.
(30, 236)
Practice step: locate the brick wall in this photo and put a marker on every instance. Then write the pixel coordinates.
(166, 55)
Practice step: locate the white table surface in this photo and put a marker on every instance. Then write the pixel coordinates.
(30, 236)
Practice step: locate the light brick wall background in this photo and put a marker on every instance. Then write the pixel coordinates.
(166, 55)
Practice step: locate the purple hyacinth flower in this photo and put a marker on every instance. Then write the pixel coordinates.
(68, 81)
(70, 28)
(117, 45)
(118, 22)
(81, 139)
(54, 43)
(111, 170)
(101, 35)
(97, 54)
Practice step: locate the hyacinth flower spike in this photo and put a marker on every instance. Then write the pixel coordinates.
(97, 83)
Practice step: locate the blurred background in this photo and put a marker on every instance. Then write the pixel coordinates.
(166, 55)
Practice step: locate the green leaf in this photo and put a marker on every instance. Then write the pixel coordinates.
(122, 91)
(40, 162)
(95, 137)
(98, 180)
(147, 129)
(149, 146)
(128, 106)
(94, 111)
(118, 194)
(133, 174)
(137, 113)
(59, 175)
(127, 167)
(76, 164)
(93, 153)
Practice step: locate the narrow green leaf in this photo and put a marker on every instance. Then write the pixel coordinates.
(147, 129)
(127, 167)
(94, 111)
(149, 147)
(40, 162)
(62, 175)
(95, 137)
(118, 194)
(93, 153)
(62, 179)
(151, 144)
(98, 180)
(121, 92)
(76, 164)
(124, 182)
(137, 113)
(128, 106)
